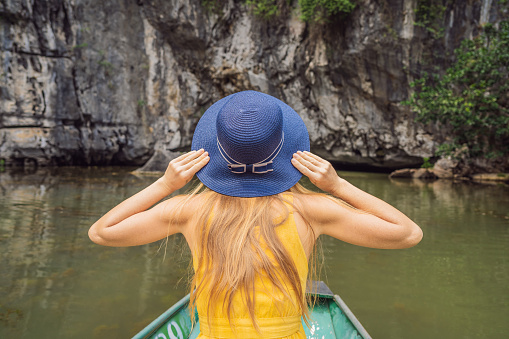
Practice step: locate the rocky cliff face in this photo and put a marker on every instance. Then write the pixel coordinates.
(110, 82)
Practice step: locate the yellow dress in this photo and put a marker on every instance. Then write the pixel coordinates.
(276, 320)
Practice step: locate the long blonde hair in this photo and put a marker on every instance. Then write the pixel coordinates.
(230, 254)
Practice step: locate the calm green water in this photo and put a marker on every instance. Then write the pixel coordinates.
(55, 283)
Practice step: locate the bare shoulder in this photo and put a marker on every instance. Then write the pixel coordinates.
(181, 209)
(180, 212)
(316, 207)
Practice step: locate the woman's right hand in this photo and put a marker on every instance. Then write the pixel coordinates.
(182, 169)
(319, 171)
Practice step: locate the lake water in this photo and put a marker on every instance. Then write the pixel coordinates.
(55, 283)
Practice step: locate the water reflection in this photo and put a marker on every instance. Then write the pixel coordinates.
(56, 283)
(453, 284)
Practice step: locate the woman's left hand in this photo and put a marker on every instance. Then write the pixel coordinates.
(182, 169)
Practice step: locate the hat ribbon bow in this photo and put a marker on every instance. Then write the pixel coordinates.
(261, 167)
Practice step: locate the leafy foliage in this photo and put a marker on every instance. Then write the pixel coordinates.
(211, 6)
(83, 45)
(321, 10)
(429, 15)
(471, 98)
(311, 10)
(266, 9)
(426, 163)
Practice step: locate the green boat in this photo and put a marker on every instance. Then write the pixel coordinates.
(330, 318)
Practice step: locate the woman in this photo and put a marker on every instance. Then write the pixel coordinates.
(252, 228)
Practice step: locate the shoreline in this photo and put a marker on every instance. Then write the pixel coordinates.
(431, 174)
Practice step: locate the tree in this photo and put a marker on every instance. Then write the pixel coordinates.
(471, 98)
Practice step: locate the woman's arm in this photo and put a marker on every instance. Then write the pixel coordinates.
(372, 223)
(132, 222)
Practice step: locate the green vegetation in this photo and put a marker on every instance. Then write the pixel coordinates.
(391, 32)
(83, 45)
(141, 103)
(107, 67)
(9, 316)
(212, 6)
(105, 64)
(471, 99)
(265, 9)
(426, 163)
(322, 10)
(318, 11)
(429, 15)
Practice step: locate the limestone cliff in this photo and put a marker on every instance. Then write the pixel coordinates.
(109, 82)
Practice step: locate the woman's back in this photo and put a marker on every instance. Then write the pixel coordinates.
(277, 313)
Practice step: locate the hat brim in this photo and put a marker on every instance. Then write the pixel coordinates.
(217, 176)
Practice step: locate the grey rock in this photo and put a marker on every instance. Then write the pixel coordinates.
(404, 173)
(444, 168)
(109, 82)
(424, 174)
(413, 173)
(491, 177)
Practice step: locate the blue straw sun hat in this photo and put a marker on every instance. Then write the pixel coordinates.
(251, 138)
